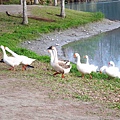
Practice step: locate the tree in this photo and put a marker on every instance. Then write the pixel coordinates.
(25, 17)
(55, 2)
(36, 2)
(21, 2)
(62, 14)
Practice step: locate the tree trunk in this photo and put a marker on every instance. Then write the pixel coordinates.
(62, 14)
(55, 2)
(25, 17)
(36, 2)
(0, 1)
(21, 2)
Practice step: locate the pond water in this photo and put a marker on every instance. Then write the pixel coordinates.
(100, 48)
(110, 9)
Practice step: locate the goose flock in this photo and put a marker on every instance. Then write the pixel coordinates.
(15, 59)
(64, 66)
(60, 66)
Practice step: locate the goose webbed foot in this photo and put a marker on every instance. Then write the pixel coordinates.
(82, 75)
(90, 76)
(24, 67)
(63, 76)
(12, 69)
(56, 73)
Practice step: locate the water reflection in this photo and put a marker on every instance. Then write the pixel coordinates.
(110, 9)
(100, 49)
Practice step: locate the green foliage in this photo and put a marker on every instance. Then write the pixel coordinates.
(98, 15)
(11, 2)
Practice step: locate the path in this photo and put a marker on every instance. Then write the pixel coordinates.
(22, 99)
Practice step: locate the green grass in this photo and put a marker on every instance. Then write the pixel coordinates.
(10, 2)
(12, 33)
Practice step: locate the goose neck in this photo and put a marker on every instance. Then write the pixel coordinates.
(13, 53)
(55, 55)
(78, 59)
(51, 56)
(4, 52)
(87, 60)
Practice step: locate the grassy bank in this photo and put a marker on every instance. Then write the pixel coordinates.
(13, 33)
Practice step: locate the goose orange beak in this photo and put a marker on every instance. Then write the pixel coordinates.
(74, 55)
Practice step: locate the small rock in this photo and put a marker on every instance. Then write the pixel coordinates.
(100, 31)
(29, 42)
(57, 44)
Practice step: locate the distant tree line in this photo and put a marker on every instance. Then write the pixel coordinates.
(49, 2)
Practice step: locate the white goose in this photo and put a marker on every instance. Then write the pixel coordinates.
(111, 71)
(112, 64)
(103, 69)
(93, 67)
(60, 68)
(24, 59)
(82, 67)
(52, 55)
(11, 61)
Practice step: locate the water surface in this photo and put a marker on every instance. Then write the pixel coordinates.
(111, 9)
(100, 48)
(103, 47)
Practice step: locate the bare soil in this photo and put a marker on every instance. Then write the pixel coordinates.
(26, 100)
(22, 99)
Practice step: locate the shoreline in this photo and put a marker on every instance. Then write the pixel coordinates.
(61, 38)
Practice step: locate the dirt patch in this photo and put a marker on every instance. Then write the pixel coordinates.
(24, 99)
